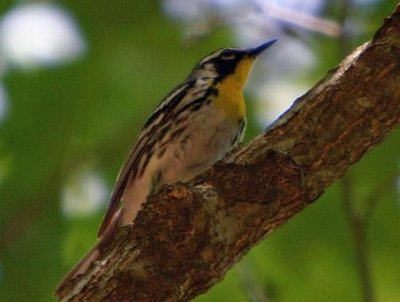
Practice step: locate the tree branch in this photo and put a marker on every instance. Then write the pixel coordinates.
(188, 235)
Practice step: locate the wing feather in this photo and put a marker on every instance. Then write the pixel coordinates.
(149, 132)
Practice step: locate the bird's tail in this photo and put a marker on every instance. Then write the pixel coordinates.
(83, 265)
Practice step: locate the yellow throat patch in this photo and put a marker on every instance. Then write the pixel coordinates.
(230, 91)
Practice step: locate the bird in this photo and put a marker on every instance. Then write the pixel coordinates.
(195, 125)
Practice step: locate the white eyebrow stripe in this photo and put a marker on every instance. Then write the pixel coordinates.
(216, 54)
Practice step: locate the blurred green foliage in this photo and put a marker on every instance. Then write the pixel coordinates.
(89, 112)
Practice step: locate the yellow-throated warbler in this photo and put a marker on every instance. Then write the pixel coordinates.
(195, 125)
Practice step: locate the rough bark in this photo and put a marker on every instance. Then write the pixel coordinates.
(188, 235)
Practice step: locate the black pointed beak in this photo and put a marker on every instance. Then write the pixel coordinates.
(254, 52)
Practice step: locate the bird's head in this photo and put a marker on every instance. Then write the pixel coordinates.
(229, 63)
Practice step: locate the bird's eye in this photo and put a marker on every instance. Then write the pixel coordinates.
(227, 55)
